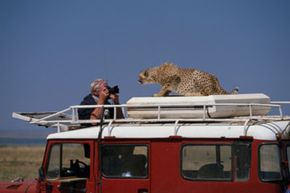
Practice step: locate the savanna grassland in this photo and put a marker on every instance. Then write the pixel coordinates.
(20, 161)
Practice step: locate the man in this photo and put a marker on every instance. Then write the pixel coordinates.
(99, 95)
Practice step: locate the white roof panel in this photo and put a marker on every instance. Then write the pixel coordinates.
(264, 131)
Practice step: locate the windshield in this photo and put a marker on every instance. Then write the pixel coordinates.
(68, 160)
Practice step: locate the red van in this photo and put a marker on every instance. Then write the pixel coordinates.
(165, 147)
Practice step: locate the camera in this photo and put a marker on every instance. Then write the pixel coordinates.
(114, 89)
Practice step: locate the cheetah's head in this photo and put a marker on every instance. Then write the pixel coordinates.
(148, 76)
(158, 74)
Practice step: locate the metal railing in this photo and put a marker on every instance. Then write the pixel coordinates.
(72, 113)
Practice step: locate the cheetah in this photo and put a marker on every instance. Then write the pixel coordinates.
(182, 81)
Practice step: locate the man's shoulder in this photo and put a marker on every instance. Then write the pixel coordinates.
(88, 100)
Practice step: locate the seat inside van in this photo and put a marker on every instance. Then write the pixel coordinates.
(209, 171)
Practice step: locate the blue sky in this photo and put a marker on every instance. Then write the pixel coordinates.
(51, 50)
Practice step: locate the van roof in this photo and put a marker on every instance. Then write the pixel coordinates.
(265, 131)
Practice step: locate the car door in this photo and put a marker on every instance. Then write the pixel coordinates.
(125, 167)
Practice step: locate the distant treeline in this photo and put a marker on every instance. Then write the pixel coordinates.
(19, 141)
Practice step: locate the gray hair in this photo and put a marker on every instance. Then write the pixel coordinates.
(95, 85)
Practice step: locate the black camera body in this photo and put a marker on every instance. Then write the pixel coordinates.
(114, 89)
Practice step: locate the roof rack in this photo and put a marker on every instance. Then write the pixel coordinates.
(68, 118)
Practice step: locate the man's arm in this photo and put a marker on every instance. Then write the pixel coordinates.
(115, 99)
(98, 111)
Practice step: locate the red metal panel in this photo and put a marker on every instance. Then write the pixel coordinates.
(165, 167)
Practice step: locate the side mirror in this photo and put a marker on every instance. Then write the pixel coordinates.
(41, 174)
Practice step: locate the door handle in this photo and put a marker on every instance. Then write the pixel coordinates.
(142, 190)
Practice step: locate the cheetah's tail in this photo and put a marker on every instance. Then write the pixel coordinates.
(235, 90)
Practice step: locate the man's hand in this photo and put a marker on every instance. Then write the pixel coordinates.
(103, 95)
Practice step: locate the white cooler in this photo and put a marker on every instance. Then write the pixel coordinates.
(191, 107)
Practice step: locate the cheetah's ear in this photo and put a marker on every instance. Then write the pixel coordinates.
(145, 73)
(168, 65)
(167, 62)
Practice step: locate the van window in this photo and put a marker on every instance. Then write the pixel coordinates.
(269, 169)
(207, 162)
(215, 162)
(68, 160)
(124, 161)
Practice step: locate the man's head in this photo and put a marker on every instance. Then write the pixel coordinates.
(98, 85)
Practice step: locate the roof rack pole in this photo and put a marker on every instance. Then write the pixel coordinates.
(124, 109)
(115, 112)
(58, 127)
(281, 112)
(280, 103)
(176, 127)
(110, 128)
(204, 110)
(49, 116)
(246, 127)
(74, 114)
(251, 110)
(159, 109)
